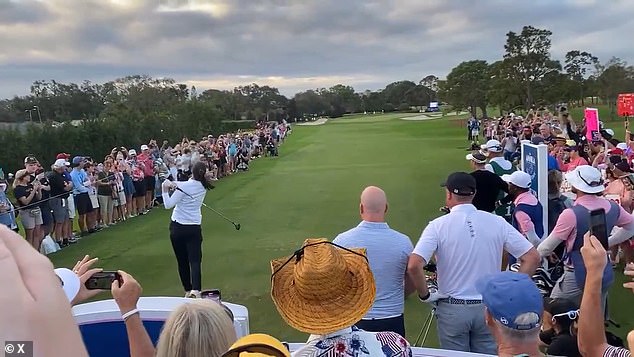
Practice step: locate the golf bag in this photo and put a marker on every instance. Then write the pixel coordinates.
(543, 278)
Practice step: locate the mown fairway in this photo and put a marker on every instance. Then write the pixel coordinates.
(310, 190)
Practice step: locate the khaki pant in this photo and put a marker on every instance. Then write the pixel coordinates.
(106, 205)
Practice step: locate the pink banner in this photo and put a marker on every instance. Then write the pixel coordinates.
(592, 124)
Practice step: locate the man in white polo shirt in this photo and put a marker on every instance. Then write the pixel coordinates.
(468, 245)
(388, 252)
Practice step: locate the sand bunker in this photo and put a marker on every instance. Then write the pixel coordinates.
(316, 122)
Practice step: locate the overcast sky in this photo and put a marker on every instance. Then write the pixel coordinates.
(290, 44)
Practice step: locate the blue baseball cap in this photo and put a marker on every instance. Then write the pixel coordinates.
(508, 295)
(77, 160)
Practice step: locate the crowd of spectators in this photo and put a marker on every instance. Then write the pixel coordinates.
(584, 174)
(499, 288)
(123, 185)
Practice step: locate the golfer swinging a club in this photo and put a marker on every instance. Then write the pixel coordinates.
(186, 197)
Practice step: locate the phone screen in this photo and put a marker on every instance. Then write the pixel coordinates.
(102, 280)
(598, 227)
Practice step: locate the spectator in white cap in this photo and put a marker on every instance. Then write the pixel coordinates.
(60, 192)
(514, 309)
(528, 214)
(573, 223)
(499, 166)
(488, 185)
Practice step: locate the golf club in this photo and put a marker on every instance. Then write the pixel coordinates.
(424, 331)
(235, 225)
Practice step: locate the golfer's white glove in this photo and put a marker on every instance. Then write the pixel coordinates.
(433, 297)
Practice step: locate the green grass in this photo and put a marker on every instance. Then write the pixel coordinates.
(311, 190)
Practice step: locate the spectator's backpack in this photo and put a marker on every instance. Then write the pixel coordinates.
(555, 207)
(583, 225)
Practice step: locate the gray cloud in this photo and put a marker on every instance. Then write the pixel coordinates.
(290, 44)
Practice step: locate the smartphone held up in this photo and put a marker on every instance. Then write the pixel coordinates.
(599, 226)
(103, 280)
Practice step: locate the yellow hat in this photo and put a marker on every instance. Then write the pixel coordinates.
(322, 287)
(257, 345)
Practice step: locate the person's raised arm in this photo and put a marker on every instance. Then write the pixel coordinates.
(126, 296)
(591, 334)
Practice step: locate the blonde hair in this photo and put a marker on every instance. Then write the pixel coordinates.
(197, 328)
(19, 175)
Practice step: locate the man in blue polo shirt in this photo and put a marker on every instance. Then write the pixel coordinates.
(81, 184)
(388, 252)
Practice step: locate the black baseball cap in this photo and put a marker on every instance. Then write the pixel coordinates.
(461, 184)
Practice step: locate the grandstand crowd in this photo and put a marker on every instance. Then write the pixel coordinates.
(496, 280)
(123, 185)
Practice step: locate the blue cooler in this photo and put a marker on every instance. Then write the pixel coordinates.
(104, 332)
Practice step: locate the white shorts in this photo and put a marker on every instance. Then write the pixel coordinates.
(475, 132)
(71, 207)
(121, 201)
(94, 201)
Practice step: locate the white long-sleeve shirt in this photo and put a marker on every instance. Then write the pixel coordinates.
(186, 209)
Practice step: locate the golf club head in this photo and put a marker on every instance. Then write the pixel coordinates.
(237, 225)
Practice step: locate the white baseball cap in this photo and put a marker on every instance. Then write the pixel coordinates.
(144, 147)
(622, 146)
(59, 163)
(131, 152)
(586, 178)
(477, 157)
(518, 178)
(70, 282)
(494, 146)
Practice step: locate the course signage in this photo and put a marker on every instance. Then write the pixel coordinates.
(535, 163)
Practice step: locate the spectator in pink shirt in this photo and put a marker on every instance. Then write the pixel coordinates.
(145, 157)
(574, 161)
(573, 224)
(528, 213)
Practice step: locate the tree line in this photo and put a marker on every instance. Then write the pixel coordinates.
(528, 76)
(91, 118)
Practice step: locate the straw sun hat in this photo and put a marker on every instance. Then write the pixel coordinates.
(322, 287)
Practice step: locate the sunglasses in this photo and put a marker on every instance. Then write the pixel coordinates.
(572, 315)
